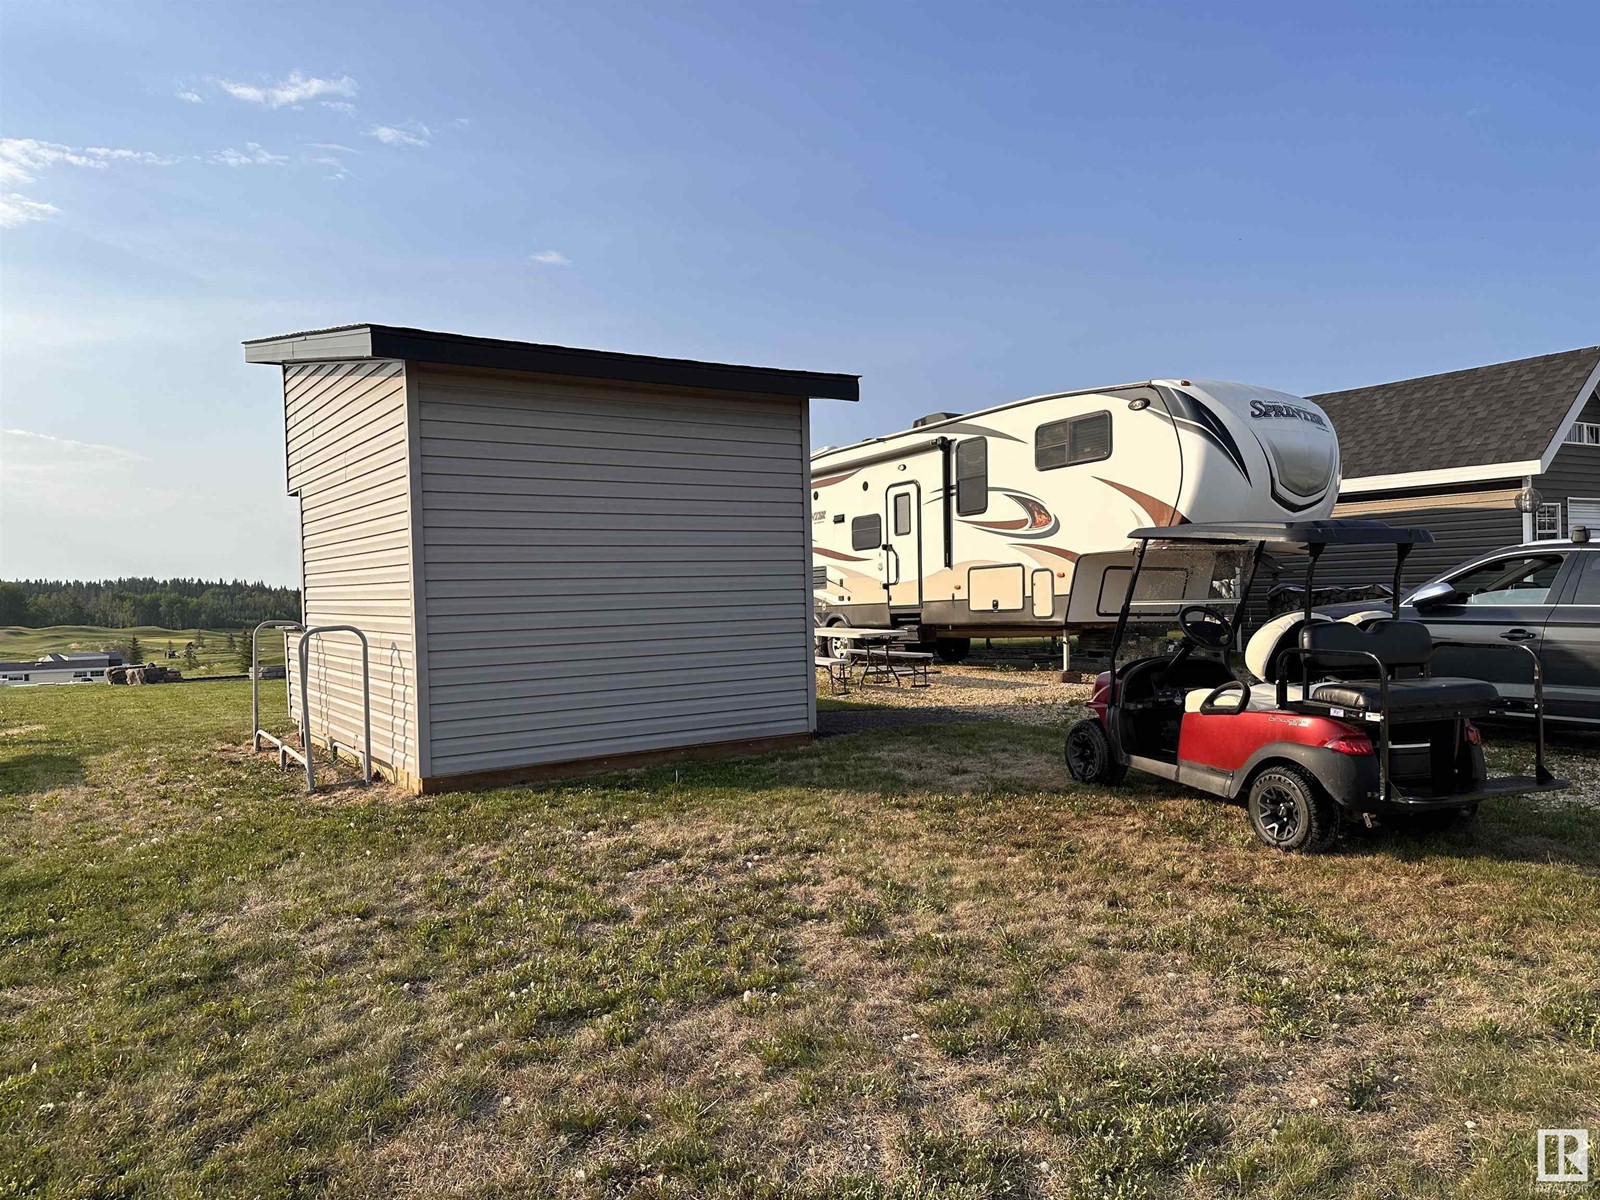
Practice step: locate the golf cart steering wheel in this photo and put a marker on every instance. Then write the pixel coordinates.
(1205, 626)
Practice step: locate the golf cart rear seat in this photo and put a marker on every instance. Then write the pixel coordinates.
(1353, 656)
(1347, 657)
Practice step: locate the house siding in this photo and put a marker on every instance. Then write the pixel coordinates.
(608, 569)
(1463, 523)
(348, 460)
(1574, 471)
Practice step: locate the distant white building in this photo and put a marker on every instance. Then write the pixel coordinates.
(60, 668)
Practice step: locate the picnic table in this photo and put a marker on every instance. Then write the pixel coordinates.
(879, 654)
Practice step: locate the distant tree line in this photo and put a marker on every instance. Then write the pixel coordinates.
(169, 603)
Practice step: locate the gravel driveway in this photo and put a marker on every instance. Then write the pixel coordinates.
(961, 693)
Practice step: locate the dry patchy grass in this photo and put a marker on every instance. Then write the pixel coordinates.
(908, 963)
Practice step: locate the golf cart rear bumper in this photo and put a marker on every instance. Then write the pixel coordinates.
(1402, 799)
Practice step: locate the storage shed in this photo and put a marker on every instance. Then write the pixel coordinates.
(563, 559)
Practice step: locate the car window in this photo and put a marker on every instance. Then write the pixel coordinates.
(1520, 579)
(1588, 589)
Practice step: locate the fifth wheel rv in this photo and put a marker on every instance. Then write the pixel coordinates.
(971, 525)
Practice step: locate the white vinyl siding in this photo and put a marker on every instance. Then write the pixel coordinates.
(1583, 511)
(346, 426)
(609, 569)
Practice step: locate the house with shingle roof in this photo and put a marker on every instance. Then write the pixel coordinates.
(1454, 452)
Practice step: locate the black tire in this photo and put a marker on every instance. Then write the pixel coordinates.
(1089, 755)
(952, 650)
(831, 647)
(1290, 812)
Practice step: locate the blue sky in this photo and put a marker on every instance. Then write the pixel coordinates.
(964, 204)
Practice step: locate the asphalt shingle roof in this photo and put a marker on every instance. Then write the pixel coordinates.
(1507, 412)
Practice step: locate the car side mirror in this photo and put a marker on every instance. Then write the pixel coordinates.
(1434, 595)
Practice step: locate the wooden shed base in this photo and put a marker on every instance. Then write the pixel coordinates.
(543, 772)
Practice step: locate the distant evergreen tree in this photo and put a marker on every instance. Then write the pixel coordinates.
(125, 603)
(241, 655)
(190, 658)
(13, 604)
(135, 651)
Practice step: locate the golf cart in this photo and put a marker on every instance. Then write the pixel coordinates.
(1336, 720)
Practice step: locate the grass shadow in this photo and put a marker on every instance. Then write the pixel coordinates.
(25, 774)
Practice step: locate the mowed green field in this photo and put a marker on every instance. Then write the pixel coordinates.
(214, 658)
(905, 963)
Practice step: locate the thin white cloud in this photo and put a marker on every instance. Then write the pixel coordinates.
(191, 97)
(333, 146)
(550, 258)
(45, 450)
(340, 106)
(23, 159)
(58, 479)
(461, 122)
(16, 209)
(412, 133)
(295, 88)
(254, 154)
(336, 167)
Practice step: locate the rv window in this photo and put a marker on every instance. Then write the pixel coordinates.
(972, 476)
(1073, 441)
(902, 514)
(866, 533)
(819, 578)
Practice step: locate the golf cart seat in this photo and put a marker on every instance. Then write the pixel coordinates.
(1409, 696)
(1340, 657)
(1261, 660)
(1346, 651)
(1257, 697)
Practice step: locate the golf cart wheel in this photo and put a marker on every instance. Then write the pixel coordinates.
(952, 650)
(1090, 758)
(1289, 811)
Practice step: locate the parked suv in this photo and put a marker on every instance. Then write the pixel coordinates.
(1544, 595)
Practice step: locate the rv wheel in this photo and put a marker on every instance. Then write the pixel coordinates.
(1289, 811)
(837, 647)
(952, 650)
(1090, 758)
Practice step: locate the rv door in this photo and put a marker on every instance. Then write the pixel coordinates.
(902, 541)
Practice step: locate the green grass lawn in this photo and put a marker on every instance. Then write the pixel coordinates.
(214, 658)
(910, 963)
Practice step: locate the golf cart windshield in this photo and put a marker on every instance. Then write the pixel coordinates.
(1174, 575)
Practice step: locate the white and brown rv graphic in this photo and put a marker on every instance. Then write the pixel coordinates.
(971, 525)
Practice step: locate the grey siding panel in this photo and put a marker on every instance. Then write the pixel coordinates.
(345, 431)
(1575, 470)
(1463, 524)
(514, 696)
(608, 569)
(488, 753)
(516, 477)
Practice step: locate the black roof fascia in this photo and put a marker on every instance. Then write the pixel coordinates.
(458, 350)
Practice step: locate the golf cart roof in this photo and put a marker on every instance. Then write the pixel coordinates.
(1332, 532)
